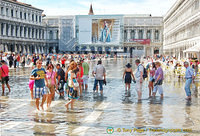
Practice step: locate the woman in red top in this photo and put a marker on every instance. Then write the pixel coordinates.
(80, 77)
(4, 70)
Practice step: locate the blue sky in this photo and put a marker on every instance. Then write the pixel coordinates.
(81, 7)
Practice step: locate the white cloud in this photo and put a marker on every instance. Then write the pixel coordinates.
(154, 7)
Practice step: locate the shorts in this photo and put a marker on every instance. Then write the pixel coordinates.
(158, 88)
(73, 94)
(31, 84)
(151, 79)
(5, 80)
(40, 92)
(61, 86)
(85, 79)
(138, 86)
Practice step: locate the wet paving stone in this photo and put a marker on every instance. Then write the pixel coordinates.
(98, 115)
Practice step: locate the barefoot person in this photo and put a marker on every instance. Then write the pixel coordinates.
(189, 76)
(51, 78)
(99, 73)
(73, 87)
(4, 70)
(39, 75)
(128, 73)
(139, 78)
(152, 70)
(159, 77)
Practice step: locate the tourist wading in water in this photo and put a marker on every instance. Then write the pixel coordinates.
(128, 73)
(39, 75)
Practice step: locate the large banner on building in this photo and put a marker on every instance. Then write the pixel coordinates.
(141, 41)
(105, 31)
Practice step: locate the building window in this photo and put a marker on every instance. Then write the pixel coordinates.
(140, 34)
(2, 13)
(7, 29)
(2, 27)
(11, 12)
(21, 15)
(32, 17)
(6, 11)
(24, 31)
(51, 35)
(125, 35)
(12, 27)
(36, 18)
(148, 34)
(28, 16)
(21, 28)
(156, 35)
(132, 34)
(33, 33)
(57, 34)
(36, 34)
(16, 31)
(40, 19)
(29, 32)
(25, 16)
(16, 14)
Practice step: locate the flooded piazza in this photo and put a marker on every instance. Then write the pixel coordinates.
(113, 112)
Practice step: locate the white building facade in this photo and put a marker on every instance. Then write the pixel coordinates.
(21, 28)
(60, 33)
(138, 35)
(143, 35)
(182, 28)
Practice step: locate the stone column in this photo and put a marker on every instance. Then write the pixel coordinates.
(152, 35)
(9, 29)
(145, 34)
(6, 48)
(136, 34)
(23, 32)
(30, 32)
(14, 30)
(4, 28)
(128, 35)
(18, 32)
(16, 48)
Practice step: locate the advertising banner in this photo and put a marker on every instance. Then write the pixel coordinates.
(141, 41)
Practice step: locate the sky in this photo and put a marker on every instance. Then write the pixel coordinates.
(81, 7)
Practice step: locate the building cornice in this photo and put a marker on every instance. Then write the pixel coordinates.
(23, 4)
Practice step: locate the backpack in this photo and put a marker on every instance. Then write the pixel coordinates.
(144, 72)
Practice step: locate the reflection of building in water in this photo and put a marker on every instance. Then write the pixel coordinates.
(182, 29)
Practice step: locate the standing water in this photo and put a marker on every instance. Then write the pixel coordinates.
(96, 115)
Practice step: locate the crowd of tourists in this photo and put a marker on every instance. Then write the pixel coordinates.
(67, 75)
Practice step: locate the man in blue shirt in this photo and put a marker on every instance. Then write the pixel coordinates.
(189, 76)
(39, 75)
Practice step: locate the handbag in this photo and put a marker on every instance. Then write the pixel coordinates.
(7, 77)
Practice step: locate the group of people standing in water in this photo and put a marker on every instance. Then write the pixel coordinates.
(156, 77)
